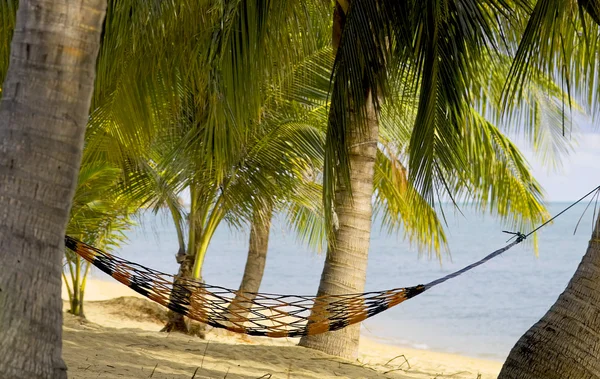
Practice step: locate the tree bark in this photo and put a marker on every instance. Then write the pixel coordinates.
(43, 113)
(255, 264)
(345, 268)
(176, 321)
(346, 263)
(565, 343)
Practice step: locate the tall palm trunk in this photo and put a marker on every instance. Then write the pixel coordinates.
(345, 268)
(43, 112)
(255, 264)
(565, 343)
(346, 263)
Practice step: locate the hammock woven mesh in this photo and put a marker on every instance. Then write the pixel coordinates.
(261, 314)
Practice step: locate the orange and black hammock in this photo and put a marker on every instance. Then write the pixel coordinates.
(263, 314)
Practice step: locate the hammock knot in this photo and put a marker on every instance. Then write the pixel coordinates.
(520, 236)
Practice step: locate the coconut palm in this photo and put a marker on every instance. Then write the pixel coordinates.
(221, 140)
(125, 96)
(265, 170)
(224, 102)
(491, 152)
(42, 124)
(564, 342)
(444, 58)
(519, 195)
(99, 216)
(130, 109)
(561, 39)
(426, 52)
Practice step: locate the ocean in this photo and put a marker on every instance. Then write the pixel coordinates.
(481, 313)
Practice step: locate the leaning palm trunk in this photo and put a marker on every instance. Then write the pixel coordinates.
(565, 343)
(43, 112)
(176, 321)
(255, 264)
(346, 263)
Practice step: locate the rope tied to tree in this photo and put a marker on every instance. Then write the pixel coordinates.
(263, 314)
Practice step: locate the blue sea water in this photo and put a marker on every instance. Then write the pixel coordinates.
(481, 313)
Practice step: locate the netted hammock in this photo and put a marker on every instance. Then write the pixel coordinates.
(261, 314)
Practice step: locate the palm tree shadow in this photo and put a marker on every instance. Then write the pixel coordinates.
(94, 351)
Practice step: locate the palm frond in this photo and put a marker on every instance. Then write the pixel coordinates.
(500, 179)
(560, 39)
(539, 116)
(304, 213)
(400, 207)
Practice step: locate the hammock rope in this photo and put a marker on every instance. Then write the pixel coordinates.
(263, 314)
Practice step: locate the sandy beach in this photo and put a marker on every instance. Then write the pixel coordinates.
(121, 339)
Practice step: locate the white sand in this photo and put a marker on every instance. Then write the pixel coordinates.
(121, 340)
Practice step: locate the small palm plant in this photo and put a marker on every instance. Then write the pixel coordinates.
(99, 216)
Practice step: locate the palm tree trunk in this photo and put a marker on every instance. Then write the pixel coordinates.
(197, 246)
(565, 343)
(175, 320)
(43, 112)
(345, 268)
(255, 264)
(346, 263)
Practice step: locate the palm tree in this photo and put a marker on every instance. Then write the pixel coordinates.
(99, 215)
(225, 152)
(45, 101)
(427, 68)
(500, 158)
(264, 170)
(433, 57)
(564, 342)
(129, 107)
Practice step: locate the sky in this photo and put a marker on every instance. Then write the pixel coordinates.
(580, 171)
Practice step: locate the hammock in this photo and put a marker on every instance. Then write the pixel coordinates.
(262, 314)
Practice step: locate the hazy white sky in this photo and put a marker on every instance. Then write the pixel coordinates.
(581, 168)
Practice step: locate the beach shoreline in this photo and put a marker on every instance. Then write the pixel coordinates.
(416, 347)
(116, 331)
